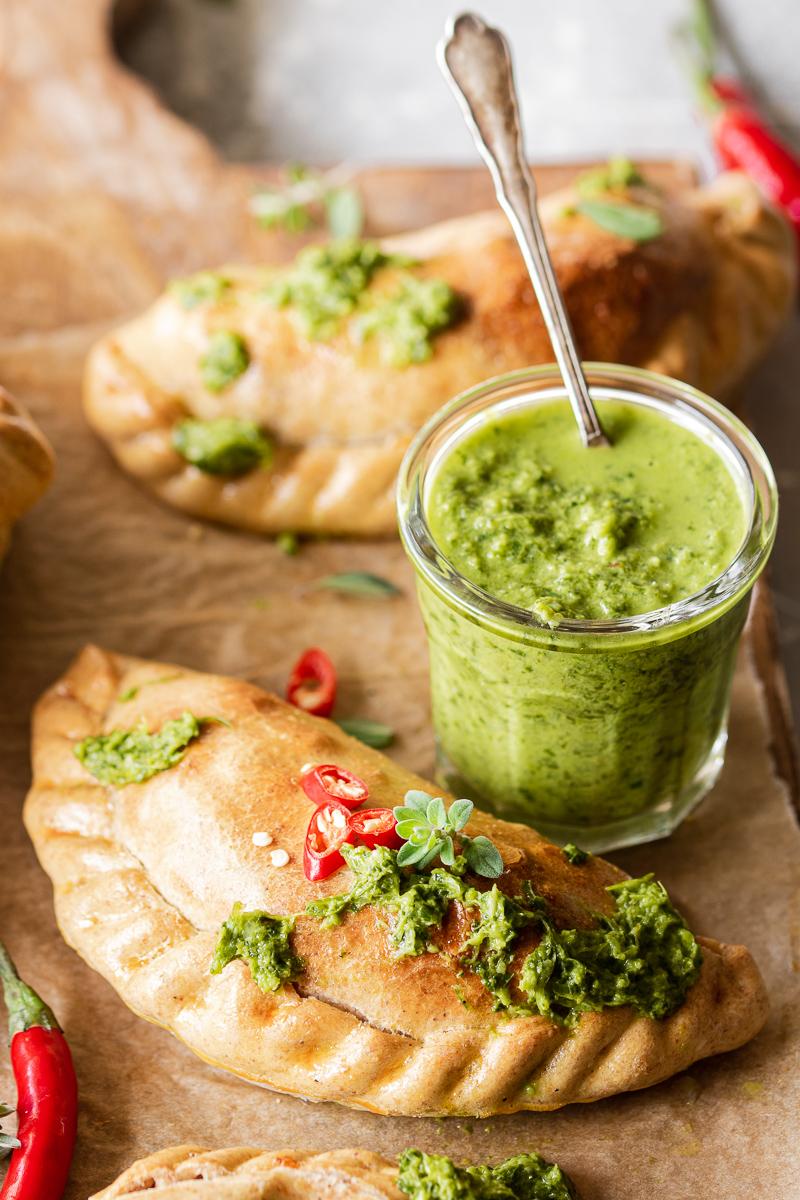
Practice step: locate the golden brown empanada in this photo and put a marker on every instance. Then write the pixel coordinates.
(145, 875)
(701, 302)
(26, 464)
(244, 1174)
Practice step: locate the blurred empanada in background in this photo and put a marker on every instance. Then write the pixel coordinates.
(701, 301)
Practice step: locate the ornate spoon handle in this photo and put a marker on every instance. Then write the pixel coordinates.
(476, 62)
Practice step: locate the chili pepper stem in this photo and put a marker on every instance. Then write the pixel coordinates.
(25, 1008)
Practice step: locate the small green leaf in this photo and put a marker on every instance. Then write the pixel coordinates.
(359, 583)
(625, 220)
(409, 854)
(418, 801)
(288, 543)
(371, 733)
(344, 212)
(437, 813)
(448, 852)
(459, 814)
(483, 857)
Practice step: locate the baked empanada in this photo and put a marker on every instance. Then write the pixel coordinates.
(147, 876)
(701, 301)
(244, 1174)
(26, 465)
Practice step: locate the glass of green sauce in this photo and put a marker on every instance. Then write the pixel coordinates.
(583, 606)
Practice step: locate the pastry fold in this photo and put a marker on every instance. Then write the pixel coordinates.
(244, 1174)
(26, 464)
(701, 302)
(145, 874)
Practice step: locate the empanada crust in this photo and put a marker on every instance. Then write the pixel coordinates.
(144, 876)
(239, 1173)
(700, 302)
(26, 464)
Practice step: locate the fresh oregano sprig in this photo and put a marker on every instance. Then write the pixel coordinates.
(7, 1141)
(428, 830)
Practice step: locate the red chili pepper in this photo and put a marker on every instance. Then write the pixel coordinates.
(47, 1094)
(742, 138)
(329, 782)
(376, 827)
(312, 683)
(328, 830)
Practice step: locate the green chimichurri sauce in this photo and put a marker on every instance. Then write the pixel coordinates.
(524, 1177)
(329, 288)
(262, 941)
(521, 508)
(134, 755)
(225, 359)
(642, 955)
(222, 446)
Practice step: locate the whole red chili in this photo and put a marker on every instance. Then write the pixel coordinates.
(47, 1094)
(328, 830)
(742, 137)
(329, 782)
(312, 683)
(376, 827)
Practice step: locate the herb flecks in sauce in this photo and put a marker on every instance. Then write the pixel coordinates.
(573, 854)
(225, 359)
(222, 446)
(206, 287)
(522, 510)
(641, 955)
(134, 755)
(261, 940)
(330, 284)
(524, 1177)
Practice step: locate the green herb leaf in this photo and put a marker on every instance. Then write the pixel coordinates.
(344, 212)
(625, 220)
(288, 543)
(428, 830)
(483, 857)
(574, 854)
(460, 813)
(371, 733)
(225, 359)
(359, 583)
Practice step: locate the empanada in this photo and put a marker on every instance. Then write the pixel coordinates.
(701, 301)
(240, 1173)
(146, 874)
(26, 465)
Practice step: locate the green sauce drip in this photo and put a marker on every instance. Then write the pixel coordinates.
(222, 446)
(263, 942)
(225, 359)
(524, 1177)
(642, 955)
(330, 283)
(134, 755)
(206, 287)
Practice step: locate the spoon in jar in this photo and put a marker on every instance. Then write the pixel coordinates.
(476, 61)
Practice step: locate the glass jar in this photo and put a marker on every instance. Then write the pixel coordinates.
(602, 732)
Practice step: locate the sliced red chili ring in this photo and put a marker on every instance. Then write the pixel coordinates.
(312, 683)
(328, 830)
(329, 782)
(376, 827)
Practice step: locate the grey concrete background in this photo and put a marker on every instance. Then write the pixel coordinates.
(329, 80)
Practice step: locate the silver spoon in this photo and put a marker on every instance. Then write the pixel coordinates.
(476, 62)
